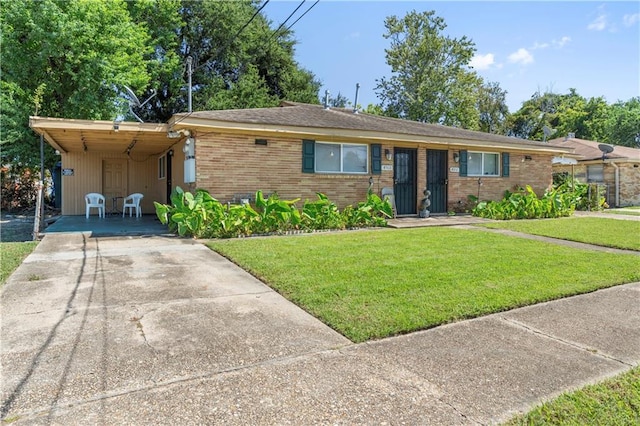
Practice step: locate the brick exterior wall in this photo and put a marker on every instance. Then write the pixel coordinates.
(629, 180)
(229, 164)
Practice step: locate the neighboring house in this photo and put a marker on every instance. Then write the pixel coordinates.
(618, 170)
(295, 150)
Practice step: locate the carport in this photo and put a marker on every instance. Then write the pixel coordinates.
(115, 159)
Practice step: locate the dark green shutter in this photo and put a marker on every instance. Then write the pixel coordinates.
(308, 156)
(376, 158)
(463, 162)
(505, 164)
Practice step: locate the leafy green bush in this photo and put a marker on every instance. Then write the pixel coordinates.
(525, 204)
(373, 212)
(202, 216)
(321, 214)
(585, 196)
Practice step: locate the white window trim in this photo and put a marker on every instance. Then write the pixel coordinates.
(162, 167)
(341, 144)
(499, 163)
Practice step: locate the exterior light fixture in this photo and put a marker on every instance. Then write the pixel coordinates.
(456, 157)
(116, 126)
(526, 158)
(387, 154)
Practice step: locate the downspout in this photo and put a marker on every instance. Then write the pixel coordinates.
(617, 179)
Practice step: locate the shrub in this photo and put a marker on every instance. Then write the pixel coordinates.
(202, 216)
(525, 204)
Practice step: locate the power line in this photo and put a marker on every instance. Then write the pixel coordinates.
(215, 56)
(306, 11)
(285, 21)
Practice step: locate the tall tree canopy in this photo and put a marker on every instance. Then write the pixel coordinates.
(591, 119)
(430, 81)
(72, 59)
(64, 59)
(238, 60)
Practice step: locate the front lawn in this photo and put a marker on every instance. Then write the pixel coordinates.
(12, 256)
(375, 284)
(613, 402)
(623, 234)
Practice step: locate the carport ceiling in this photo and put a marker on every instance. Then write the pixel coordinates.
(100, 136)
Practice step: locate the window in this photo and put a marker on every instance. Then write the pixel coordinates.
(340, 158)
(595, 173)
(162, 167)
(483, 164)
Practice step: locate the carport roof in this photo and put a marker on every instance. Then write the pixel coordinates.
(68, 135)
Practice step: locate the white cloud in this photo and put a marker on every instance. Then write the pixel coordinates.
(521, 56)
(482, 62)
(537, 46)
(599, 24)
(561, 43)
(629, 20)
(352, 36)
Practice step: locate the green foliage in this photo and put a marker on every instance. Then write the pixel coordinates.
(375, 284)
(372, 212)
(525, 204)
(321, 214)
(12, 256)
(583, 196)
(622, 123)
(202, 216)
(615, 401)
(561, 200)
(19, 188)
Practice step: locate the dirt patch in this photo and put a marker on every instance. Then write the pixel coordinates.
(16, 227)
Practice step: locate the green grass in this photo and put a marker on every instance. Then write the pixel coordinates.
(623, 234)
(12, 255)
(374, 284)
(613, 402)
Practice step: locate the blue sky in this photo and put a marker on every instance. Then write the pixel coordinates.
(591, 46)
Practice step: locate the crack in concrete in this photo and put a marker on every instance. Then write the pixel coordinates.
(178, 381)
(592, 351)
(463, 415)
(137, 320)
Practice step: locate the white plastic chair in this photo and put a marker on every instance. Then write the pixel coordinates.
(387, 194)
(132, 202)
(94, 200)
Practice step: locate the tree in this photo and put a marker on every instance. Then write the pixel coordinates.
(591, 119)
(623, 123)
(340, 101)
(64, 59)
(430, 79)
(492, 106)
(238, 60)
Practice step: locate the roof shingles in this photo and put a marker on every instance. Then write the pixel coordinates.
(315, 116)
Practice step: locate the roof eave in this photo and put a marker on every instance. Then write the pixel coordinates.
(206, 124)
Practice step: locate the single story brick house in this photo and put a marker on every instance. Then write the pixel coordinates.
(618, 170)
(295, 150)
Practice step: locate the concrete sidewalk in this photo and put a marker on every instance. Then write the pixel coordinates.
(161, 330)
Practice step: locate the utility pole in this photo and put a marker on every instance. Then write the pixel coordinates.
(189, 72)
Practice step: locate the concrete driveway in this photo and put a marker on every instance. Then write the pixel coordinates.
(158, 330)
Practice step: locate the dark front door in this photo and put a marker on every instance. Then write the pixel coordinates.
(437, 180)
(404, 187)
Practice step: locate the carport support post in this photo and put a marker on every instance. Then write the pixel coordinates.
(37, 222)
